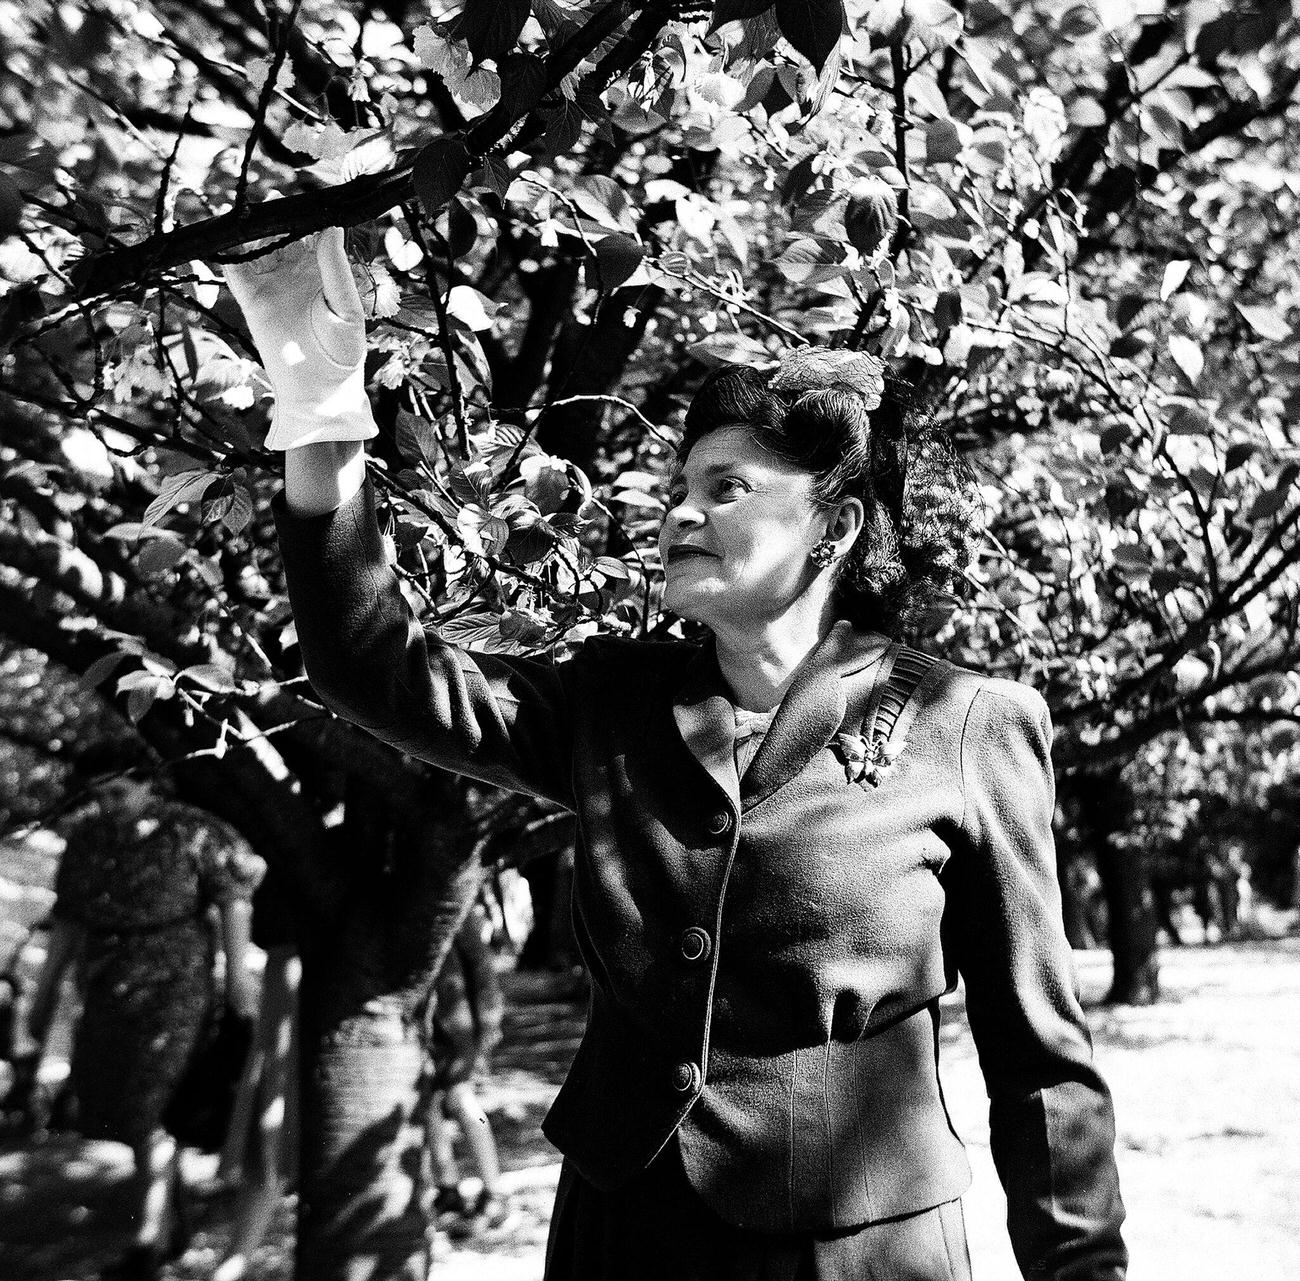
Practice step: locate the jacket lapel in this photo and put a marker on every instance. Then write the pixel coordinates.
(706, 720)
(812, 710)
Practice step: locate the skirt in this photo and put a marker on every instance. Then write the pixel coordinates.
(657, 1228)
(145, 999)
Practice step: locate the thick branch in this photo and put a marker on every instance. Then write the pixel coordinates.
(347, 204)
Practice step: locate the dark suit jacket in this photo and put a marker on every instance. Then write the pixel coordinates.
(767, 953)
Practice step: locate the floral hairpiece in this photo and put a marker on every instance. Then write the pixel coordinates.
(816, 368)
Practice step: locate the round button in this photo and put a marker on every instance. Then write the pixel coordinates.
(695, 944)
(719, 823)
(686, 1078)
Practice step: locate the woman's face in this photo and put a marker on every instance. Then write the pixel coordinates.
(123, 797)
(739, 528)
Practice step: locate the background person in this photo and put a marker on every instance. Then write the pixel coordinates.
(133, 892)
(793, 838)
(464, 1028)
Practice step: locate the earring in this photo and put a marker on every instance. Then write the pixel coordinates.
(823, 554)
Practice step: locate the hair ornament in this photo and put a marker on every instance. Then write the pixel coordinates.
(817, 369)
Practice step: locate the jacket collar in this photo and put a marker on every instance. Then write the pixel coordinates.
(811, 712)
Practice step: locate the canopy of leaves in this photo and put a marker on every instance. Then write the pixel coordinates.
(1072, 228)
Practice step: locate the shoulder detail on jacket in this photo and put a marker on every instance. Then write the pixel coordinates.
(1018, 698)
(1006, 739)
(963, 684)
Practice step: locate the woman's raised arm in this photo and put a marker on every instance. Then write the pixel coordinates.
(503, 720)
(320, 478)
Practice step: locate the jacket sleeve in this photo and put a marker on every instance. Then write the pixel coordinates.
(1051, 1121)
(502, 720)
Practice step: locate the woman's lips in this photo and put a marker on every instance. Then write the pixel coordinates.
(685, 551)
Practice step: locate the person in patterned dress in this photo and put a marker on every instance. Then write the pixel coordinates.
(139, 880)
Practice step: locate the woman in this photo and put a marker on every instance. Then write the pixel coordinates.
(791, 839)
(464, 1026)
(133, 892)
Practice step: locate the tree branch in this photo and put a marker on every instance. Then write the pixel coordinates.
(347, 204)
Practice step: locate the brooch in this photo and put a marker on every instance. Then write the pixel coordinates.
(866, 763)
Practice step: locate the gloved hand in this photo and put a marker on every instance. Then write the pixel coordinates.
(305, 315)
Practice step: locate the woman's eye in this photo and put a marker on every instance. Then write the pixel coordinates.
(730, 486)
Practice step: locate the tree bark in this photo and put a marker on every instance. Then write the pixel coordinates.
(1136, 979)
(367, 976)
(359, 1215)
(1104, 807)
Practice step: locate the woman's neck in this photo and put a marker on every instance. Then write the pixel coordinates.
(758, 663)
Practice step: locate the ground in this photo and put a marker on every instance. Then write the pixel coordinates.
(1207, 1093)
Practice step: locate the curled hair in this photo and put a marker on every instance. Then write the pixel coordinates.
(916, 492)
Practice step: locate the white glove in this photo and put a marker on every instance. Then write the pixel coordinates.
(305, 315)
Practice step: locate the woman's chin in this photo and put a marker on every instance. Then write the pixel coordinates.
(688, 604)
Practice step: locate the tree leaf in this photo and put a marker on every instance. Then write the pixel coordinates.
(495, 175)
(240, 511)
(212, 676)
(1237, 454)
(142, 688)
(948, 309)
(531, 542)
(523, 81)
(604, 202)
(553, 18)
(1175, 273)
(1190, 420)
(477, 631)
(470, 307)
(402, 253)
(11, 206)
(807, 261)
(181, 487)
(1085, 112)
(1187, 356)
(617, 258)
(1273, 500)
(439, 172)
(942, 141)
(933, 23)
(729, 349)
(564, 126)
(816, 87)
(102, 668)
(417, 439)
(813, 27)
(611, 567)
(138, 703)
(1128, 346)
(1267, 322)
(490, 27)
(471, 484)
(1129, 308)
(159, 555)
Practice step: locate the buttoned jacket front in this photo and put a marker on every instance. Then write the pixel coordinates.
(767, 953)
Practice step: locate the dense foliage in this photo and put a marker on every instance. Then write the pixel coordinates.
(1071, 226)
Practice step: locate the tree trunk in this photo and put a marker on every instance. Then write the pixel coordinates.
(1131, 911)
(367, 974)
(1105, 805)
(359, 1214)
